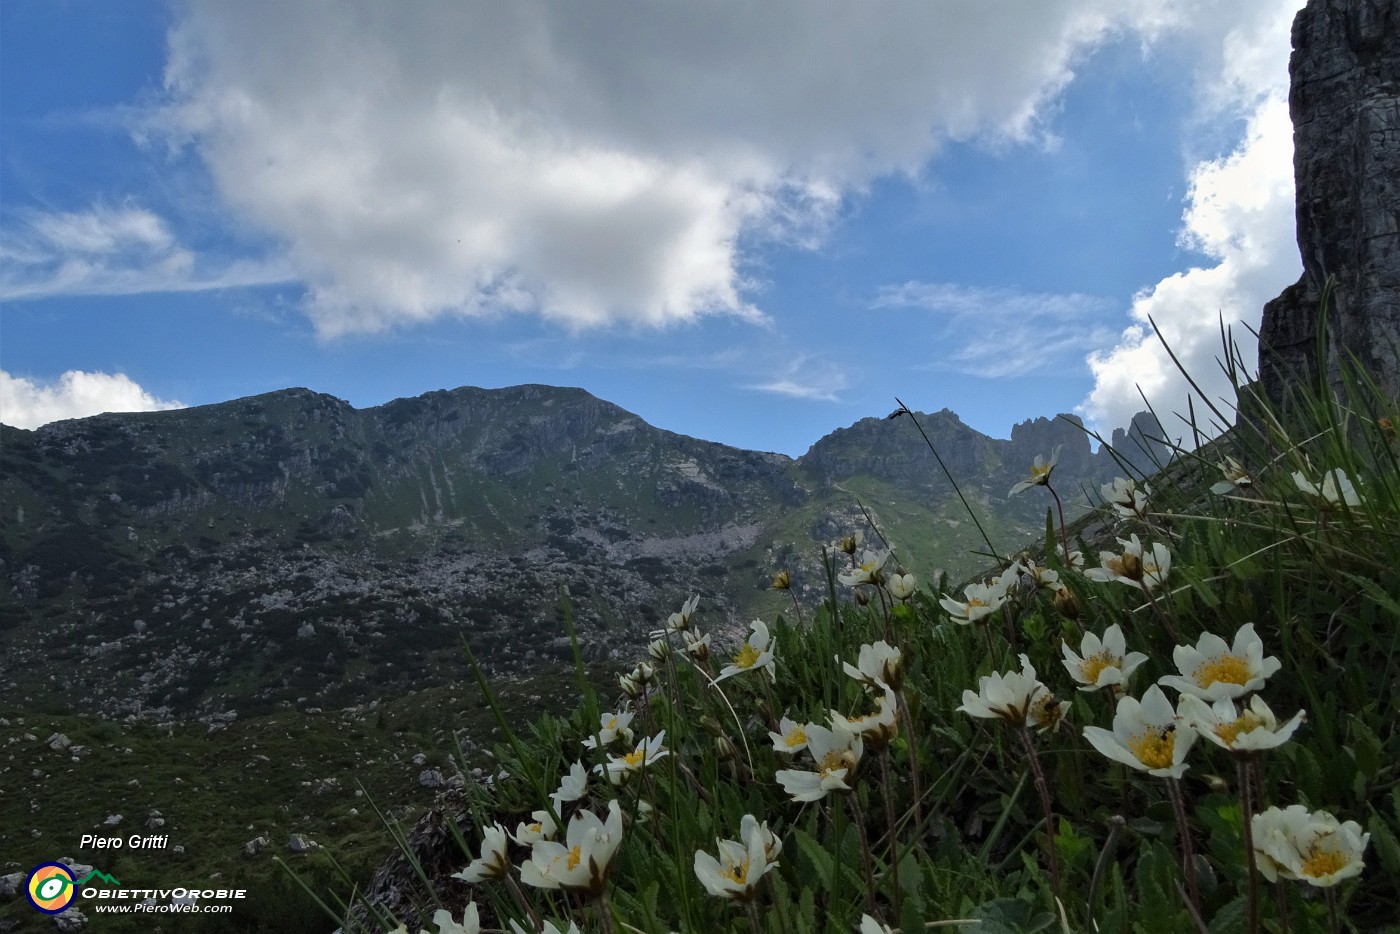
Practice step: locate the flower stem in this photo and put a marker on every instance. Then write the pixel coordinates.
(1064, 532)
(1161, 613)
(1334, 922)
(894, 836)
(605, 912)
(797, 608)
(915, 785)
(1052, 851)
(867, 858)
(1116, 823)
(524, 902)
(1244, 767)
(1188, 859)
(752, 909)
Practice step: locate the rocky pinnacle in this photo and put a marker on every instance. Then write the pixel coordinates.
(1345, 106)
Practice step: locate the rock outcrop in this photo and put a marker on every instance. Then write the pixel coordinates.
(1345, 105)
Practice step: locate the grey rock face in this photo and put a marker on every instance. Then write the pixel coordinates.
(1345, 105)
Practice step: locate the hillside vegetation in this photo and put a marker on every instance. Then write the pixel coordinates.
(1180, 716)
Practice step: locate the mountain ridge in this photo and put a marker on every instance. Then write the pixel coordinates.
(247, 554)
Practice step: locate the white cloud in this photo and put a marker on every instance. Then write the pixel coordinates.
(1002, 332)
(804, 377)
(107, 250)
(28, 403)
(1240, 213)
(593, 163)
(965, 301)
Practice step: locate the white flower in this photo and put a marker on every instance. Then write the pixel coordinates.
(836, 751)
(1036, 575)
(1136, 566)
(1125, 497)
(1295, 843)
(493, 863)
(869, 570)
(877, 728)
(697, 645)
(878, 665)
(741, 865)
(542, 828)
(471, 921)
(756, 652)
(1213, 670)
(581, 862)
(1240, 731)
(658, 650)
(982, 600)
(1040, 473)
(1336, 488)
(1004, 696)
(751, 829)
(1101, 663)
(901, 586)
(680, 622)
(1235, 477)
(869, 925)
(549, 928)
(571, 787)
(1148, 736)
(792, 737)
(621, 768)
(611, 727)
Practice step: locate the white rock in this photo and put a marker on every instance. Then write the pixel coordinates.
(70, 920)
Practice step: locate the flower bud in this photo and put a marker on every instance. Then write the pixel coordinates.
(1067, 603)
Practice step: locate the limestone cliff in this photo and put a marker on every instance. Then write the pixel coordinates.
(1345, 106)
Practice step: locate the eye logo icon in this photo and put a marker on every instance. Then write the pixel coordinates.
(51, 887)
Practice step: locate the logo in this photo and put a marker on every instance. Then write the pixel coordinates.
(51, 886)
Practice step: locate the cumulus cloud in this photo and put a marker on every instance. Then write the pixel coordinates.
(1239, 213)
(29, 403)
(111, 250)
(592, 164)
(1000, 332)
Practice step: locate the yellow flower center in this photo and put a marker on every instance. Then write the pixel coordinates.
(796, 738)
(1322, 862)
(1045, 712)
(1244, 723)
(575, 857)
(611, 724)
(1227, 669)
(976, 601)
(831, 762)
(746, 656)
(1154, 748)
(635, 757)
(1040, 471)
(535, 828)
(738, 874)
(1094, 665)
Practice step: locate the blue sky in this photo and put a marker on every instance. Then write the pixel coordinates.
(752, 226)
